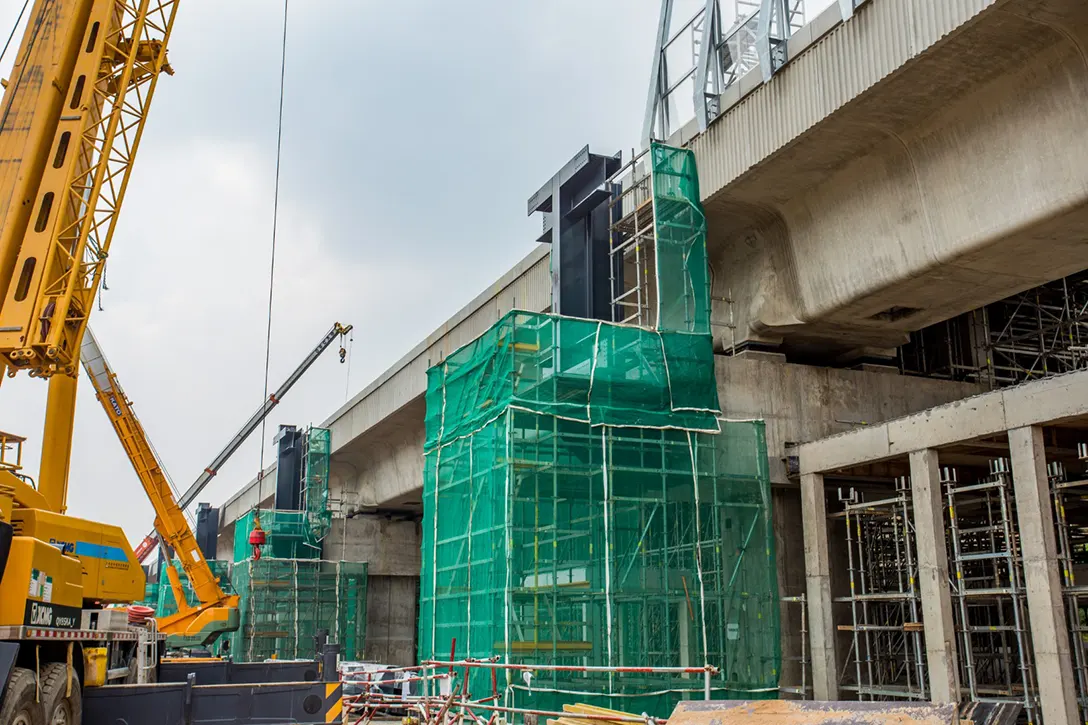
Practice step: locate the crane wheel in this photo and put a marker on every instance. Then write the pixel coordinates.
(59, 707)
(20, 705)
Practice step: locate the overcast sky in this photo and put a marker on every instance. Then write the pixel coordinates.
(414, 132)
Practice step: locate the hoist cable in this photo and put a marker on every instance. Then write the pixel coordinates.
(347, 375)
(275, 229)
(13, 29)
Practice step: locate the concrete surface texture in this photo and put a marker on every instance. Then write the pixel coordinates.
(804, 402)
(392, 551)
(893, 176)
(1044, 401)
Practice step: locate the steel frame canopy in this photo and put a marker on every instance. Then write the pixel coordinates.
(720, 56)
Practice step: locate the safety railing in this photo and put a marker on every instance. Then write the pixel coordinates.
(436, 693)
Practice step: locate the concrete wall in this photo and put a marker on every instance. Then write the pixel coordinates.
(390, 548)
(392, 619)
(392, 551)
(803, 403)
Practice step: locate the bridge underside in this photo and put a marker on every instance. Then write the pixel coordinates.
(954, 181)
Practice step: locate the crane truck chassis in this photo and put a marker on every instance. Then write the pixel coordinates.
(71, 122)
(48, 672)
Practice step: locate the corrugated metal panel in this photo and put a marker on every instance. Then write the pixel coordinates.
(845, 63)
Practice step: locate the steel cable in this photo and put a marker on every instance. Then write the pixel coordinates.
(275, 229)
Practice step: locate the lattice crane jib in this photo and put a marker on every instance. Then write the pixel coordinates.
(75, 157)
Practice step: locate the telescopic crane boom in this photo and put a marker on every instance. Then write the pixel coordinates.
(186, 499)
(216, 612)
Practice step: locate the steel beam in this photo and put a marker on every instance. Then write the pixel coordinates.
(657, 111)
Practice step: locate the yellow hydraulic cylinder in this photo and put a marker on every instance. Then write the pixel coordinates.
(60, 414)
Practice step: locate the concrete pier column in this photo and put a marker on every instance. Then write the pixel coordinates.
(825, 669)
(940, 627)
(1046, 612)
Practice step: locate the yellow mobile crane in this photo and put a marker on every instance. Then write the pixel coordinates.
(71, 123)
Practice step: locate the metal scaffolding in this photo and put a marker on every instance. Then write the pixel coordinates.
(803, 690)
(1042, 331)
(633, 267)
(988, 592)
(887, 656)
(1070, 500)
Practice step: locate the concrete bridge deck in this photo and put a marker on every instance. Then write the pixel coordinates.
(917, 161)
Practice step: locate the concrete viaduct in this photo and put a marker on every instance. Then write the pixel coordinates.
(904, 166)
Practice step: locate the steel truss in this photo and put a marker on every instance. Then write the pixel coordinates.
(887, 657)
(1070, 499)
(803, 690)
(95, 144)
(988, 593)
(705, 56)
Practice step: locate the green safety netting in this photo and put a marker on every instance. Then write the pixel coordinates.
(580, 370)
(553, 542)
(285, 602)
(287, 534)
(160, 595)
(315, 484)
(683, 277)
(584, 506)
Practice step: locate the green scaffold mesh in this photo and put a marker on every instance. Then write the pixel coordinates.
(584, 506)
(315, 485)
(683, 277)
(284, 602)
(287, 534)
(580, 370)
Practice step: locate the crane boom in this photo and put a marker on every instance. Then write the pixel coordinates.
(217, 612)
(186, 499)
(71, 123)
(80, 150)
(261, 413)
